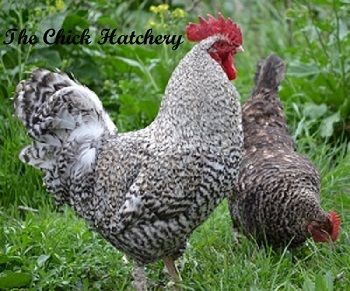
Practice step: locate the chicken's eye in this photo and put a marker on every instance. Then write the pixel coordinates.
(221, 44)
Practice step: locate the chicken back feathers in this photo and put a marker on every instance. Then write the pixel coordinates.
(144, 191)
(278, 189)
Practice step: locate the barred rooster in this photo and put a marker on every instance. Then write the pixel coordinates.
(277, 196)
(144, 191)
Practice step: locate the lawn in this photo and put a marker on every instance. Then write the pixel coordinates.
(46, 248)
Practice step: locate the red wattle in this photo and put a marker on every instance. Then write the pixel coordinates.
(229, 67)
(335, 219)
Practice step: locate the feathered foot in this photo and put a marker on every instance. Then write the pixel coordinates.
(140, 280)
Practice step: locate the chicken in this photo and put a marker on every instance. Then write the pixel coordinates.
(145, 191)
(276, 199)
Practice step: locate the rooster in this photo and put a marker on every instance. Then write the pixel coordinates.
(277, 196)
(145, 191)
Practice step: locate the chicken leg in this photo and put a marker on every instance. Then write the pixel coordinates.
(172, 270)
(140, 281)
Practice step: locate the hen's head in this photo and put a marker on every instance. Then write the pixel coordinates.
(325, 230)
(228, 44)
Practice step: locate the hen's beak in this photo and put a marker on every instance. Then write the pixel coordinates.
(240, 49)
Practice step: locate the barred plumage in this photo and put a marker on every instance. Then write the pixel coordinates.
(144, 191)
(276, 198)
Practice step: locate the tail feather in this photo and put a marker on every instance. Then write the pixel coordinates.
(264, 121)
(52, 106)
(33, 93)
(269, 73)
(39, 155)
(65, 121)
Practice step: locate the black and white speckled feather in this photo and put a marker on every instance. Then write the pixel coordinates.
(144, 191)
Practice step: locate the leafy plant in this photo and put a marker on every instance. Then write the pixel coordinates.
(321, 71)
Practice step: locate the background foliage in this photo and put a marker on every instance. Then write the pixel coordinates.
(41, 248)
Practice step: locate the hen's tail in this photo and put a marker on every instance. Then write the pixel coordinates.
(264, 121)
(64, 119)
(269, 73)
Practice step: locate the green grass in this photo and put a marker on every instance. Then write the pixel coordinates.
(59, 251)
(55, 250)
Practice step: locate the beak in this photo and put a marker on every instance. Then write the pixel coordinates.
(240, 49)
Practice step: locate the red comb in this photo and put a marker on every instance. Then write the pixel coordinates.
(335, 220)
(212, 26)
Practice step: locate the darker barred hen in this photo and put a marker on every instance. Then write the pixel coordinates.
(277, 196)
(144, 191)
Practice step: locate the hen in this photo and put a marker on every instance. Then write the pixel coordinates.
(277, 200)
(144, 191)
